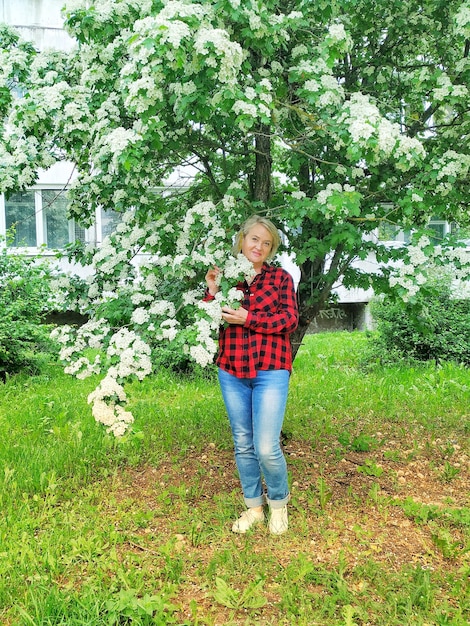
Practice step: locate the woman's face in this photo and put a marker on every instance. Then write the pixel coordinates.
(257, 245)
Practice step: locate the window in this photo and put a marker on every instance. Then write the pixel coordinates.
(440, 227)
(56, 226)
(20, 218)
(109, 221)
(78, 232)
(39, 218)
(392, 232)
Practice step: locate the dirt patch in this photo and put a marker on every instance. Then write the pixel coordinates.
(347, 507)
(355, 498)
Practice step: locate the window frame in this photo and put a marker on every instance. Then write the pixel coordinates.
(90, 234)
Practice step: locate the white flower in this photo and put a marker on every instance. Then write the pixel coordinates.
(169, 329)
(338, 33)
(138, 298)
(298, 51)
(234, 295)
(103, 412)
(118, 139)
(312, 85)
(324, 194)
(245, 108)
(239, 266)
(202, 356)
(140, 316)
(214, 311)
(163, 307)
(462, 20)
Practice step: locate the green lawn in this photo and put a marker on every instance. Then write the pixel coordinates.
(96, 530)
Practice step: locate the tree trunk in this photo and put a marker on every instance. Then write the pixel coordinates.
(262, 193)
(263, 165)
(297, 336)
(306, 316)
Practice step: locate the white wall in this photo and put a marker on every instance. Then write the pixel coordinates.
(61, 173)
(38, 21)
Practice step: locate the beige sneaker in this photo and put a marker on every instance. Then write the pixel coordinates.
(278, 523)
(247, 519)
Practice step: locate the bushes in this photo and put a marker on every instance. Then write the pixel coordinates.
(25, 297)
(434, 326)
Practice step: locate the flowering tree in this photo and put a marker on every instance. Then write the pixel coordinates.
(319, 115)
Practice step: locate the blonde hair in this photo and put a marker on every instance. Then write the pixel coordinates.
(248, 225)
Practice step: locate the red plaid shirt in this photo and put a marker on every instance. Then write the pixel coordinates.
(262, 343)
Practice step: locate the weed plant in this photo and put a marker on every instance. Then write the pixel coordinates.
(103, 531)
(433, 325)
(25, 297)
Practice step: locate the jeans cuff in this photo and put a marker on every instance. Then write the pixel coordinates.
(278, 504)
(252, 502)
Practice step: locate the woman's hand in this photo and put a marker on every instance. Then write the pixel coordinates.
(234, 316)
(211, 280)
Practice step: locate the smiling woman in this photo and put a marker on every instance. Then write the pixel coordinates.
(258, 240)
(255, 362)
(257, 245)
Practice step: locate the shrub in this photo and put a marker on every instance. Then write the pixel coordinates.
(433, 326)
(25, 297)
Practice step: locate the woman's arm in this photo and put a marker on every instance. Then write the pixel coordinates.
(282, 319)
(211, 280)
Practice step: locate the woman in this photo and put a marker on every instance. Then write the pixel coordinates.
(255, 362)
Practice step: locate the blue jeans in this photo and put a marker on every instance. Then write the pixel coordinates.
(255, 408)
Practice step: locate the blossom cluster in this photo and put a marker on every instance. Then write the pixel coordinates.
(236, 267)
(462, 20)
(337, 201)
(446, 88)
(380, 138)
(117, 280)
(178, 34)
(107, 400)
(425, 262)
(320, 88)
(255, 103)
(449, 167)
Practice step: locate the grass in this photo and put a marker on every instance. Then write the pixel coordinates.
(98, 531)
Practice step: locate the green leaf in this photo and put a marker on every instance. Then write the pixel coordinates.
(250, 598)
(225, 595)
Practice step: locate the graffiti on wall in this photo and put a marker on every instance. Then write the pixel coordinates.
(334, 318)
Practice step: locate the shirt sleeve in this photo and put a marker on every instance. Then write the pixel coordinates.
(284, 318)
(208, 297)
